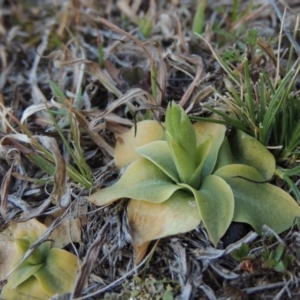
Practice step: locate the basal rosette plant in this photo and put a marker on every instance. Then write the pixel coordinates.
(185, 174)
(46, 272)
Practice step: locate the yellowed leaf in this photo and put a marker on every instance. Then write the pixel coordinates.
(23, 293)
(7, 250)
(55, 275)
(149, 221)
(65, 233)
(144, 133)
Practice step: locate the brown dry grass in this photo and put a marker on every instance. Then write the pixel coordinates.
(95, 50)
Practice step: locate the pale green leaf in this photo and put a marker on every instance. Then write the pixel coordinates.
(141, 180)
(203, 154)
(203, 131)
(22, 273)
(160, 154)
(179, 127)
(259, 203)
(185, 164)
(28, 290)
(150, 221)
(38, 256)
(249, 151)
(225, 155)
(215, 202)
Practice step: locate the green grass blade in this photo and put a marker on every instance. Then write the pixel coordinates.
(248, 95)
(293, 187)
(58, 93)
(274, 107)
(198, 21)
(81, 176)
(43, 163)
(80, 159)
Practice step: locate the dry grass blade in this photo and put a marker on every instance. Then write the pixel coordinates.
(36, 92)
(64, 58)
(60, 194)
(128, 97)
(119, 280)
(89, 262)
(34, 108)
(36, 212)
(220, 60)
(181, 35)
(266, 47)
(6, 123)
(140, 44)
(254, 14)
(130, 11)
(4, 191)
(99, 141)
(66, 225)
(286, 30)
(131, 37)
(103, 78)
(161, 80)
(200, 72)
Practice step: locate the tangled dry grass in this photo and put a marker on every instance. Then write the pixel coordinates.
(89, 63)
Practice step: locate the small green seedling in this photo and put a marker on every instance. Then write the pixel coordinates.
(146, 26)
(242, 253)
(277, 259)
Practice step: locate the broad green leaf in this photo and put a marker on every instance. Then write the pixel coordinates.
(203, 154)
(185, 164)
(259, 203)
(215, 202)
(204, 130)
(240, 253)
(160, 154)
(249, 151)
(37, 256)
(141, 180)
(28, 290)
(144, 133)
(181, 139)
(279, 252)
(179, 127)
(225, 155)
(59, 272)
(22, 273)
(150, 221)
(280, 266)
